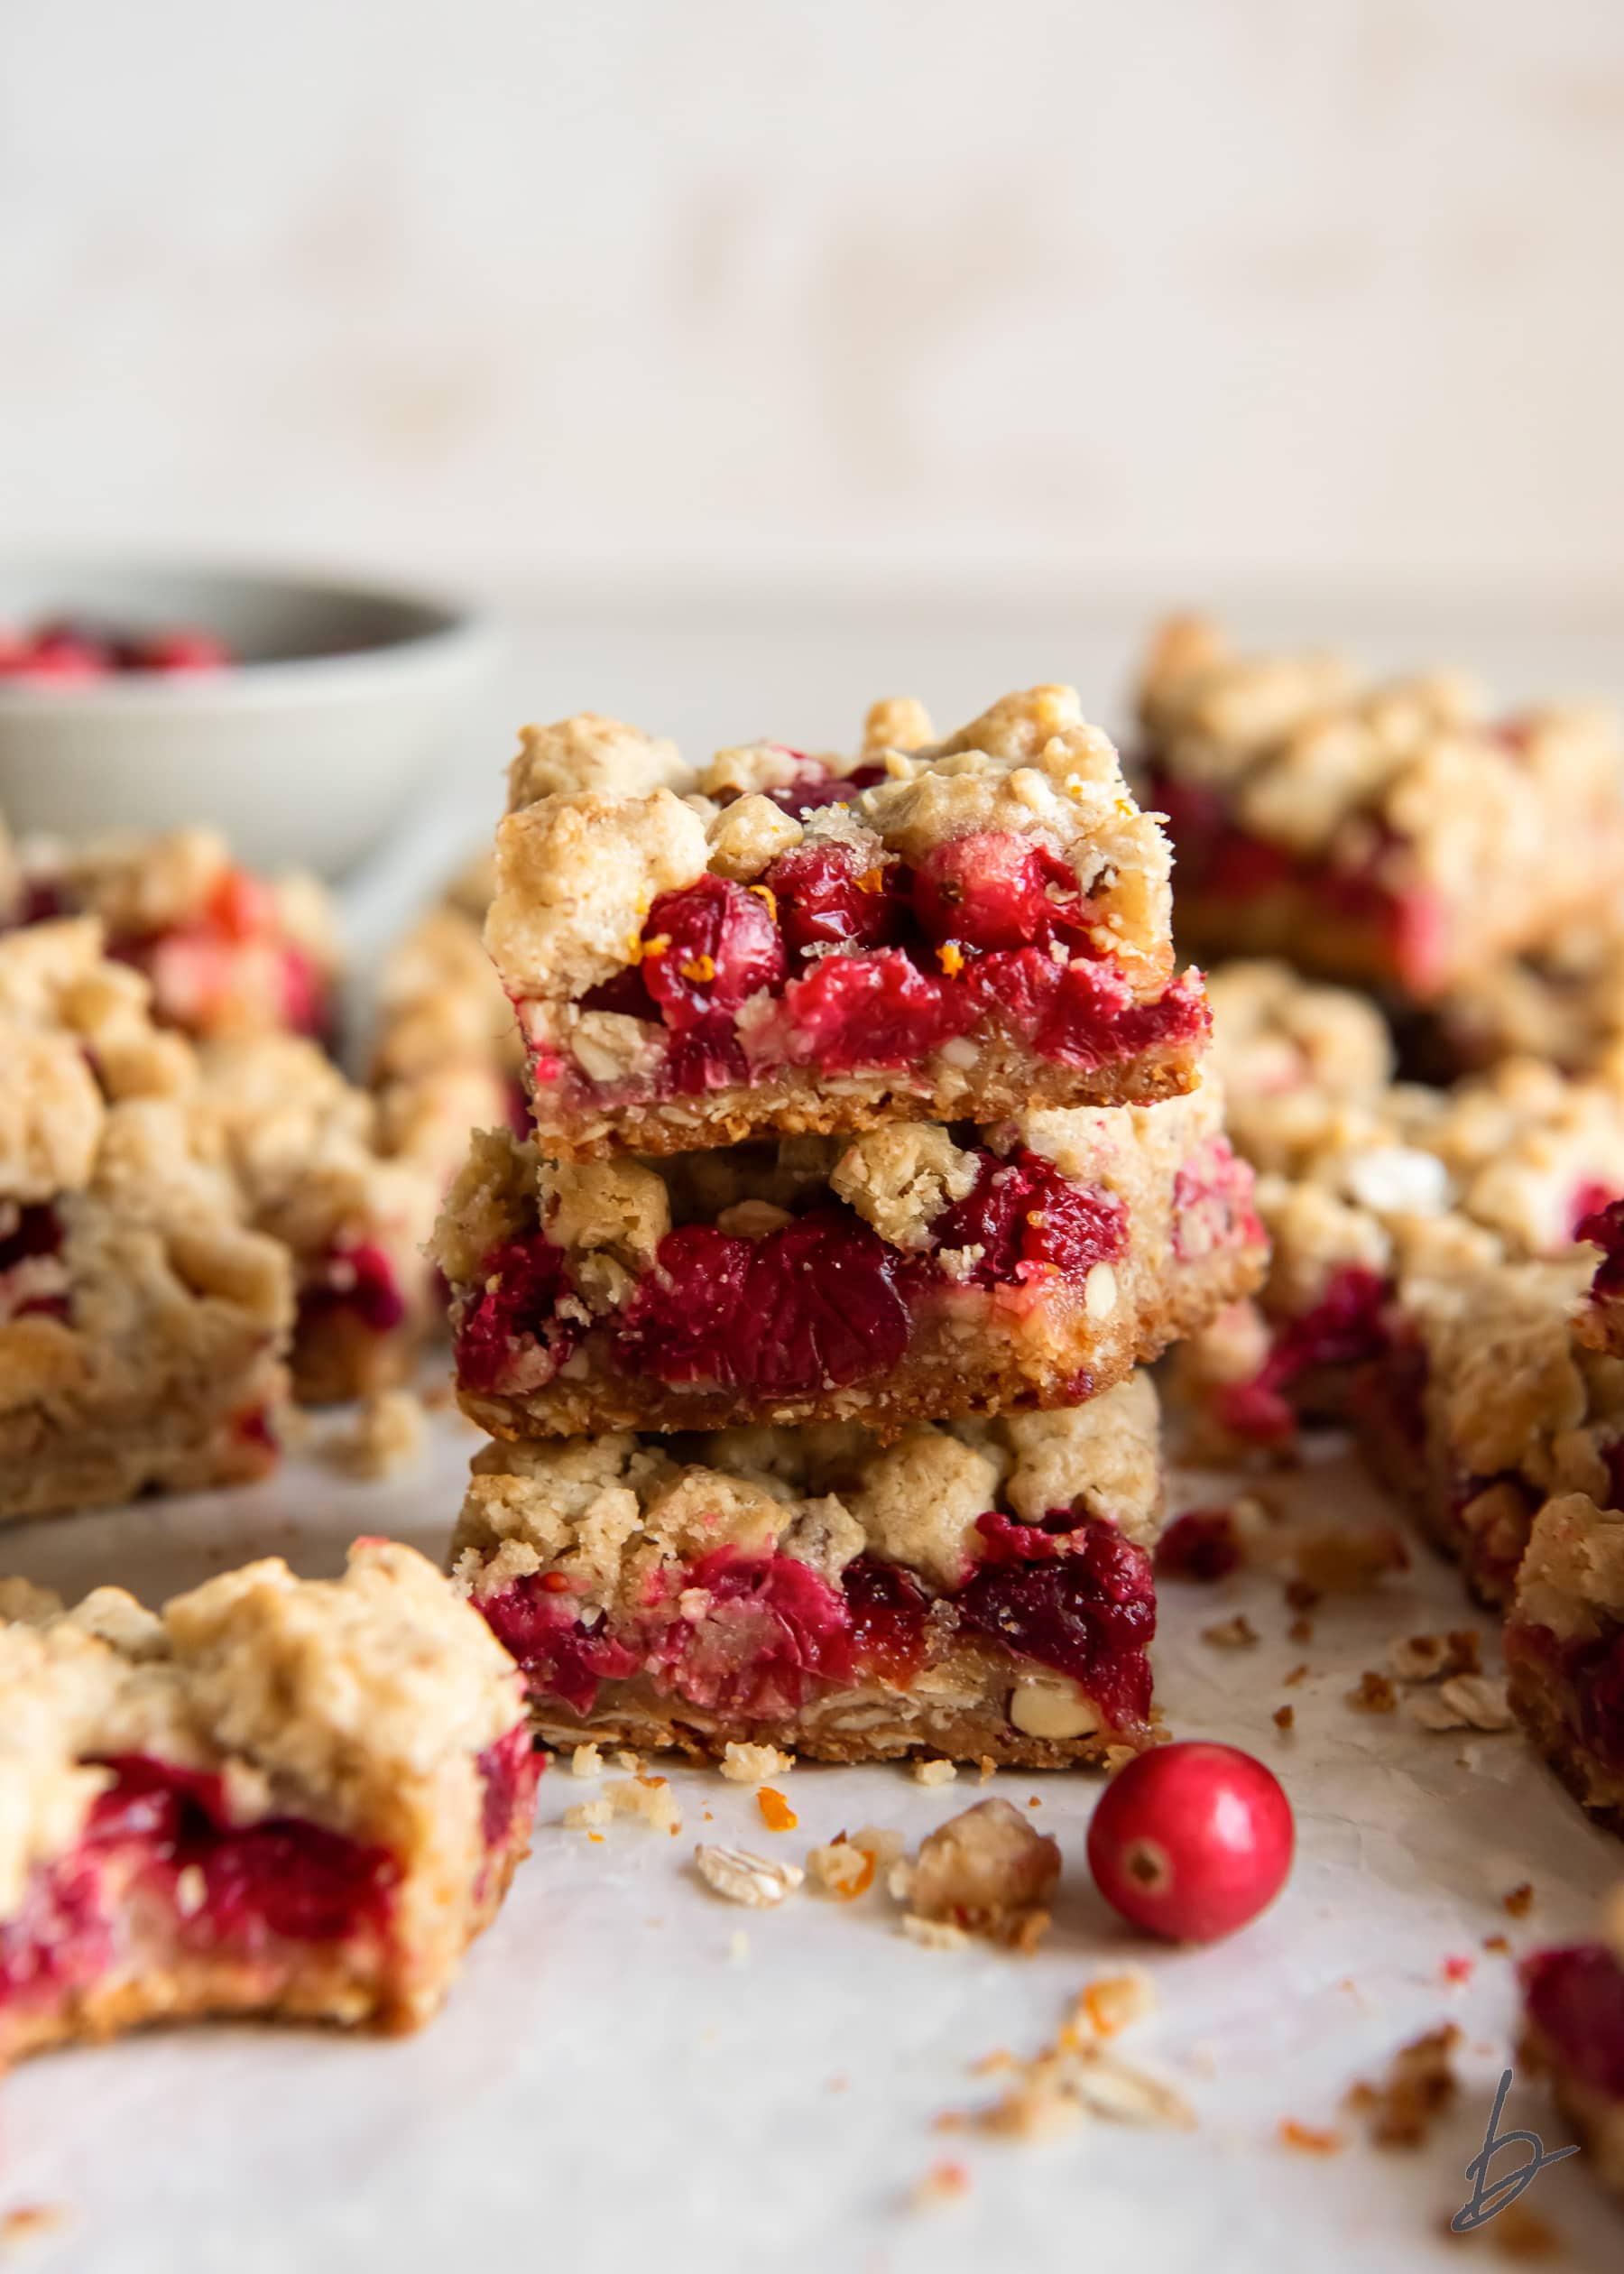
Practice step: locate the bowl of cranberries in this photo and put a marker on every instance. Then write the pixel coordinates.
(298, 715)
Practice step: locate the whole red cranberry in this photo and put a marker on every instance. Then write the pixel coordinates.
(988, 890)
(182, 651)
(1191, 1841)
(708, 947)
(827, 896)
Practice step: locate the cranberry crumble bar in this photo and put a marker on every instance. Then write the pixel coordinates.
(277, 1797)
(226, 953)
(141, 1321)
(911, 1271)
(949, 930)
(1390, 835)
(1564, 1648)
(976, 1590)
(1573, 2005)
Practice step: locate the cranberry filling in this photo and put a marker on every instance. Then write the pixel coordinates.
(194, 966)
(36, 1230)
(282, 1879)
(815, 785)
(814, 1304)
(888, 1609)
(509, 1772)
(358, 1279)
(1031, 1222)
(509, 1335)
(875, 967)
(1201, 1544)
(1575, 1998)
(1082, 1600)
(1605, 1228)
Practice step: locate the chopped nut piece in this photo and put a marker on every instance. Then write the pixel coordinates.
(754, 1764)
(1375, 1694)
(587, 1761)
(1231, 1634)
(1419, 2086)
(1298, 1674)
(933, 1772)
(1285, 1719)
(987, 1871)
(743, 1878)
(1519, 1902)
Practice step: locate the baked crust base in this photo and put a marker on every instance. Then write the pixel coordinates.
(800, 1101)
(182, 1445)
(1546, 1706)
(337, 1357)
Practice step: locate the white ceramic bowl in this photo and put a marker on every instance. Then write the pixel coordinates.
(305, 753)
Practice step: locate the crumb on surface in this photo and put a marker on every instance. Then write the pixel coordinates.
(1433, 1658)
(934, 1772)
(1285, 1719)
(24, 2220)
(1310, 2140)
(987, 1871)
(1501, 1944)
(738, 1947)
(846, 1868)
(1375, 1694)
(944, 2184)
(1519, 1901)
(1075, 2076)
(1298, 1674)
(1462, 1701)
(934, 1934)
(587, 1761)
(1231, 1634)
(1114, 2003)
(649, 1798)
(754, 1764)
(1419, 2086)
(1300, 1631)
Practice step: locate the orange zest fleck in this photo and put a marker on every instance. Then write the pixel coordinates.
(655, 947)
(776, 1813)
(871, 881)
(1308, 2140)
(951, 957)
(702, 969)
(765, 894)
(848, 1893)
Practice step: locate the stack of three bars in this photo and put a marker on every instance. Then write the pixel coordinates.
(871, 1141)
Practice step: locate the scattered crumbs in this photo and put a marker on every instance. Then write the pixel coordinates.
(1075, 2077)
(1435, 1658)
(587, 1761)
(934, 1934)
(386, 1434)
(650, 1798)
(1285, 1719)
(1231, 1634)
(708, 1818)
(1459, 1969)
(1033, 1801)
(776, 1813)
(933, 1772)
(1117, 1757)
(1375, 1694)
(629, 1762)
(740, 1877)
(1519, 1902)
(1115, 2001)
(754, 1764)
(1300, 1631)
(942, 2184)
(1501, 1944)
(1419, 2086)
(1298, 1674)
(1465, 1701)
(988, 1767)
(29, 2220)
(845, 1868)
(1308, 2139)
(989, 2063)
(1300, 1595)
(738, 1947)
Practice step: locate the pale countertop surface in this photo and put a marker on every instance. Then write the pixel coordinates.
(610, 2087)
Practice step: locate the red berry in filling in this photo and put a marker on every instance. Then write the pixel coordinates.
(1605, 1228)
(888, 1609)
(828, 896)
(1093, 1018)
(871, 1012)
(1576, 1999)
(357, 1277)
(814, 1304)
(705, 1056)
(1201, 1544)
(1191, 1841)
(509, 1770)
(815, 786)
(708, 947)
(771, 1630)
(988, 890)
(1028, 1221)
(510, 1335)
(562, 1655)
(1079, 1598)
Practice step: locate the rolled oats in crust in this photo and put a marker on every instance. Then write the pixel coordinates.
(646, 1544)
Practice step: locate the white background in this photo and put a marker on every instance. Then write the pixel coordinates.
(1169, 290)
